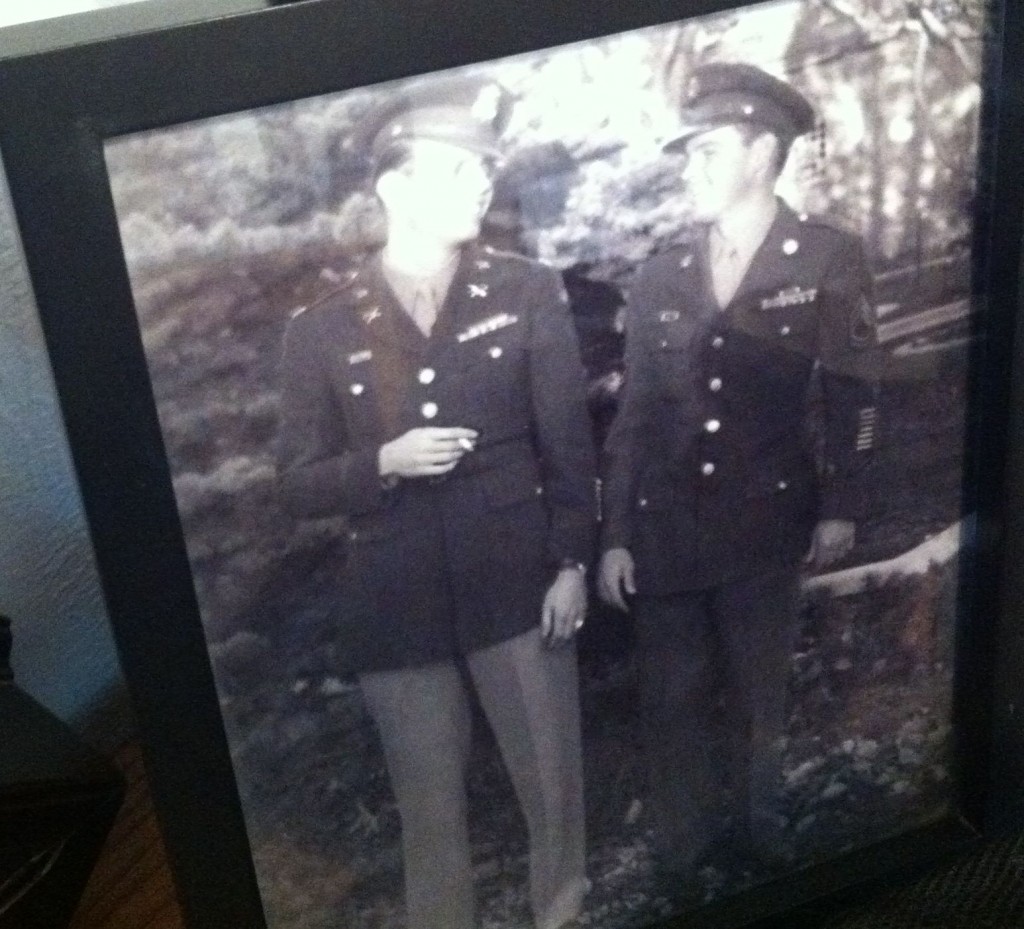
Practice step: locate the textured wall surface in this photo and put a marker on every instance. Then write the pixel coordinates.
(63, 650)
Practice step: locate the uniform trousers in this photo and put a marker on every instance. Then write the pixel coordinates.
(714, 673)
(529, 694)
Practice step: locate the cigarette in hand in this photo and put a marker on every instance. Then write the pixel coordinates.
(466, 445)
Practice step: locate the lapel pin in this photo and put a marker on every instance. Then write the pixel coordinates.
(478, 290)
(371, 314)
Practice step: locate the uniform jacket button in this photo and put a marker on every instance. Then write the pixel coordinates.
(717, 342)
(642, 502)
(429, 410)
(715, 384)
(782, 485)
(356, 389)
(494, 351)
(712, 425)
(427, 375)
(708, 468)
(784, 330)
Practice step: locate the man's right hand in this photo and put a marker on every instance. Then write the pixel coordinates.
(425, 452)
(615, 577)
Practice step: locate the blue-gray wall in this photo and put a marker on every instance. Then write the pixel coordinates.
(63, 650)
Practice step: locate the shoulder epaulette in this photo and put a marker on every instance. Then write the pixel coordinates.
(501, 253)
(344, 282)
(824, 222)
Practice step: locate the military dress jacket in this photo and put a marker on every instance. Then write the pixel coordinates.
(441, 566)
(709, 474)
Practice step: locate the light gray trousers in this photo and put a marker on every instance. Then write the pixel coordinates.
(530, 696)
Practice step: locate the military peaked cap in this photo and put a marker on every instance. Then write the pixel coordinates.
(722, 94)
(470, 112)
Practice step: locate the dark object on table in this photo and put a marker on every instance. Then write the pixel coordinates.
(5, 650)
(57, 803)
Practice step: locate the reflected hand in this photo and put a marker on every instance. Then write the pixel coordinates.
(831, 541)
(616, 577)
(425, 452)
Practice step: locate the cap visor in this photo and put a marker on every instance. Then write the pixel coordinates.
(678, 142)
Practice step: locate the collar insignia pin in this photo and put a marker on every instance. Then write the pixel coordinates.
(478, 290)
(371, 314)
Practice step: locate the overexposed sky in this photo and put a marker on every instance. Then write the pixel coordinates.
(13, 12)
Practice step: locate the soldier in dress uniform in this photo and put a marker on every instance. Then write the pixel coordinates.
(714, 497)
(437, 401)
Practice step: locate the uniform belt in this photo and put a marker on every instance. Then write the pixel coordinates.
(490, 454)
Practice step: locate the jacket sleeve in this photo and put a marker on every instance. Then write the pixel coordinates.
(847, 340)
(561, 423)
(319, 475)
(621, 459)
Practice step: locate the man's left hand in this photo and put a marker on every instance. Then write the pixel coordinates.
(832, 540)
(565, 606)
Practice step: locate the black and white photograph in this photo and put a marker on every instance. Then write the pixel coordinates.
(569, 451)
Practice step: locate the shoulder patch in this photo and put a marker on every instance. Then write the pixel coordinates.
(862, 323)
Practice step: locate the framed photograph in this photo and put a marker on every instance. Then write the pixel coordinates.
(546, 463)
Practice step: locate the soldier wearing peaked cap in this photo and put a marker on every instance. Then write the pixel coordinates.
(713, 499)
(437, 401)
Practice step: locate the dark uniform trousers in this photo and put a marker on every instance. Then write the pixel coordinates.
(448, 573)
(711, 483)
(731, 641)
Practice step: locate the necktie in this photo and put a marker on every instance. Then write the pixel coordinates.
(423, 308)
(726, 270)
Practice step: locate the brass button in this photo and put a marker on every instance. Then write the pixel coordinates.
(356, 389)
(494, 351)
(712, 425)
(782, 485)
(429, 410)
(642, 502)
(715, 384)
(708, 468)
(427, 375)
(784, 330)
(717, 342)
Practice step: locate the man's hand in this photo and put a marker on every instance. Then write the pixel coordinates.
(615, 576)
(425, 452)
(565, 606)
(832, 540)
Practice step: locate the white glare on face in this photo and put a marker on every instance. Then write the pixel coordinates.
(447, 190)
(438, 168)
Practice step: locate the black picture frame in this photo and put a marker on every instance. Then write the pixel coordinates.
(60, 104)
